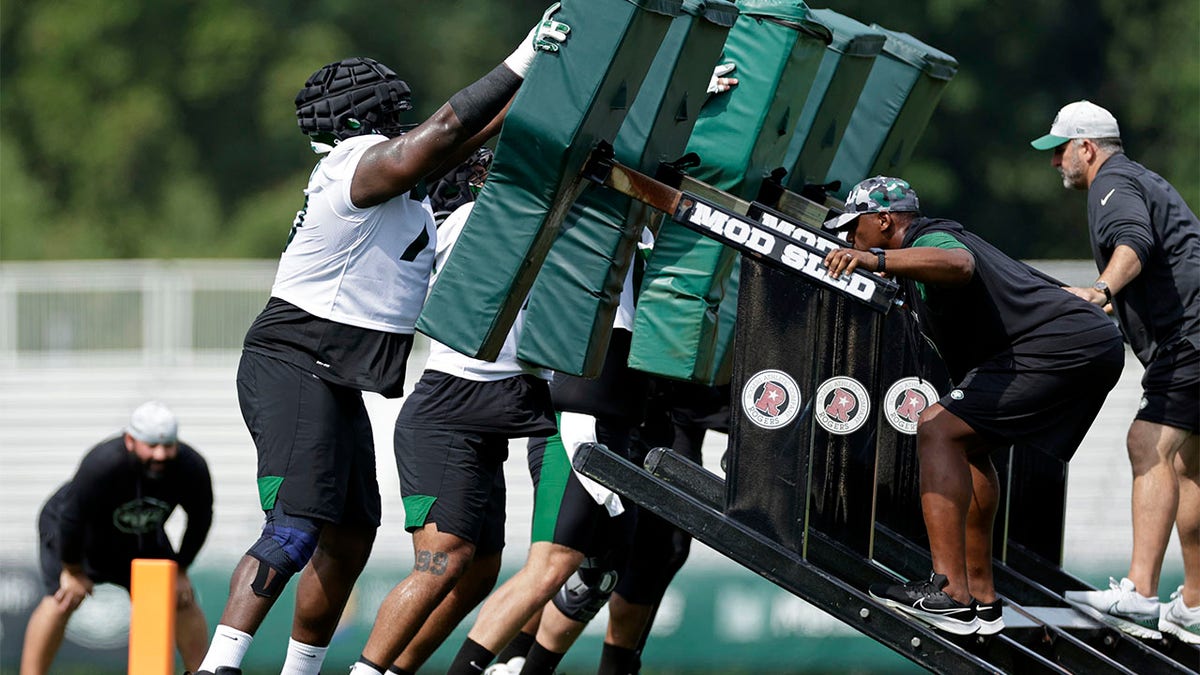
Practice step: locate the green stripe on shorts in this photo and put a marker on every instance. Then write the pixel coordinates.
(268, 490)
(553, 483)
(416, 510)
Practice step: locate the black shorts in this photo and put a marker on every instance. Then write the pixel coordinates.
(564, 513)
(678, 416)
(516, 407)
(701, 407)
(316, 451)
(1171, 389)
(451, 441)
(550, 469)
(1048, 409)
(619, 393)
(454, 479)
(109, 567)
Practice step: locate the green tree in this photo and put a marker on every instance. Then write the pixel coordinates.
(1017, 66)
(148, 128)
(167, 129)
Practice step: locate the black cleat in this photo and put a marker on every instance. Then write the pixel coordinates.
(926, 601)
(990, 616)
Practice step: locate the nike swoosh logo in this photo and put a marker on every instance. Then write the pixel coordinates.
(921, 604)
(1144, 619)
(1104, 199)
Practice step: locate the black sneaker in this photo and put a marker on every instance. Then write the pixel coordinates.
(221, 670)
(926, 601)
(990, 616)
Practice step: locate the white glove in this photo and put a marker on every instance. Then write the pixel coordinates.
(719, 84)
(545, 36)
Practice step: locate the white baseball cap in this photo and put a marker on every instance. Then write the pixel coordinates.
(154, 423)
(1081, 119)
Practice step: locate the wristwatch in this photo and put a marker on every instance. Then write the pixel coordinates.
(881, 263)
(1103, 288)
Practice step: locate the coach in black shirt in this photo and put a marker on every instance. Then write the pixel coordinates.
(1146, 242)
(112, 512)
(1030, 363)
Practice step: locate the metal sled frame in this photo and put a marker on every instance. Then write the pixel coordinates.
(824, 568)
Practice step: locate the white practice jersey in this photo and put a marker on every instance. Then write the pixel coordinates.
(365, 267)
(446, 360)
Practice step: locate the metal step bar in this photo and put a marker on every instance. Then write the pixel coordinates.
(922, 644)
(1066, 636)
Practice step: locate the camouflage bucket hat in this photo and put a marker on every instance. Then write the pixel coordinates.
(874, 195)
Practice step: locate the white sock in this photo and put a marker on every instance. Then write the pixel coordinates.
(303, 659)
(361, 668)
(228, 648)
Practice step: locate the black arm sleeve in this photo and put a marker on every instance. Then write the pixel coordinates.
(478, 104)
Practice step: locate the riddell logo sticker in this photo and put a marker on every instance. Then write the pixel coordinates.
(771, 399)
(842, 405)
(904, 402)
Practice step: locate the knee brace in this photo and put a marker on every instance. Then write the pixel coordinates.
(284, 548)
(586, 591)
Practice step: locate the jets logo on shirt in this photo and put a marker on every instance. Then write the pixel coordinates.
(904, 402)
(771, 399)
(141, 516)
(842, 405)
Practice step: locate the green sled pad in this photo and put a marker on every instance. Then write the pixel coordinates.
(569, 318)
(722, 355)
(569, 100)
(740, 137)
(904, 86)
(839, 82)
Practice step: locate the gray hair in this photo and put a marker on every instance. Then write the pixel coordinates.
(1109, 145)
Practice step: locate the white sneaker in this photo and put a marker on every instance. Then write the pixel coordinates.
(513, 667)
(1180, 620)
(1121, 606)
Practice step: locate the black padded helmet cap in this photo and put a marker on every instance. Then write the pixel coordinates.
(456, 187)
(352, 97)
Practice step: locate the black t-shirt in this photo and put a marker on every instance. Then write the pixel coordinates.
(361, 358)
(1007, 307)
(1129, 204)
(111, 509)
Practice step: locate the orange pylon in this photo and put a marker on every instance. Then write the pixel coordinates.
(152, 617)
